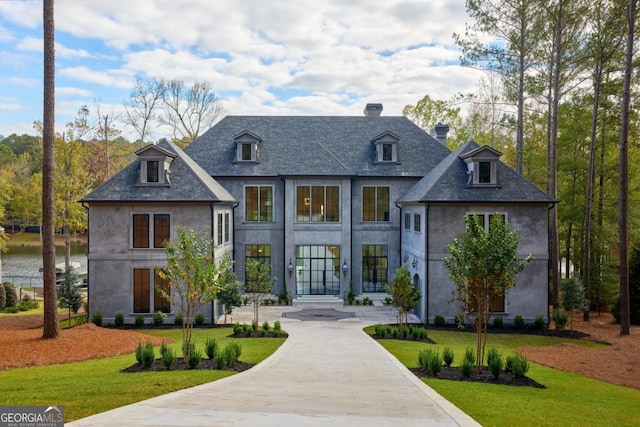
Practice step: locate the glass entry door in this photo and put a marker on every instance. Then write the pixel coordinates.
(318, 270)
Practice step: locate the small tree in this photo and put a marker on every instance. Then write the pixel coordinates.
(69, 296)
(404, 295)
(573, 296)
(231, 295)
(193, 278)
(483, 264)
(258, 283)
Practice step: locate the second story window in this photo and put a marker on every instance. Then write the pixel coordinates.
(247, 147)
(153, 173)
(416, 223)
(386, 148)
(143, 234)
(482, 167)
(407, 221)
(317, 203)
(258, 203)
(375, 204)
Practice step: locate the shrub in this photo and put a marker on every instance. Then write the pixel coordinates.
(439, 321)
(265, 326)
(518, 321)
(517, 365)
(247, 329)
(118, 320)
(539, 322)
(237, 329)
(3, 297)
(178, 319)
(158, 318)
(139, 353)
(195, 355)
(459, 319)
(169, 358)
(234, 350)
(447, 356)
(466, 368)
(79, 320)
(148, 355)
(96, 318)
(277, 329)
(12, 310)
(367, 301)
(11, 297)
(221, 359)
(560, 318)
(430, 360)
(498, 322)
(139, 320)
(27, 304)
(469, 355)
(379, 330)
(199, 319)
(394, 333)
(494, 361)
(211, 348)
(388, 300)
(164, 347)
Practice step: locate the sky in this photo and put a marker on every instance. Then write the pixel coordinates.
(263, 57)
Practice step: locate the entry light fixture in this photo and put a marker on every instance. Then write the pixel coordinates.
(415, 262)
(345, 268)
(290, 268)
(405, 258)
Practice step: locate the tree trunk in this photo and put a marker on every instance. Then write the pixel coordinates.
(624, 174)
(51, 329)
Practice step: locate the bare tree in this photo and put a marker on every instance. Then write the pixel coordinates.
(51, 329)
(190, 111)
(105, 129)
(141, 107)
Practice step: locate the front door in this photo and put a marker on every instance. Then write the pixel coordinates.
(318, 270)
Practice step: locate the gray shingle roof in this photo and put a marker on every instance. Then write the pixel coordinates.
(448, 183)
(316, 146)
(189, 183)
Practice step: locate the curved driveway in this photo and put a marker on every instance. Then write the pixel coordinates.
(328, 373)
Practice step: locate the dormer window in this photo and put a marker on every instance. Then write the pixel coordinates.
(155, 164)
(247, 147)
(482, 167)
(386, 148)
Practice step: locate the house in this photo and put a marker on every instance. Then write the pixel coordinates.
(332, 204)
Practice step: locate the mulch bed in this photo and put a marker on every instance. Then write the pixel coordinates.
(181, 365)
(482, 376)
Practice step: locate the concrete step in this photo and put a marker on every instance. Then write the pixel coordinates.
(318, 301)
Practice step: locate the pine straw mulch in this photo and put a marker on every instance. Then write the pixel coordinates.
(615, 364)
(21, 342)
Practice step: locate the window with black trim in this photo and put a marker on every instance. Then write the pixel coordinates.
(374, 268)
(145, 291)
(220, 225)
(261, 253)
(375, 204)
(153, 173)
(407, 221)
(226, 227)
(258, 205)
(318, 203)
(416, 223)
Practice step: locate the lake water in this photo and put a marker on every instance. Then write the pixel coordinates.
(21, 265)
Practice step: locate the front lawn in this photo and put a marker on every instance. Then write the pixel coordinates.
(94, 386)
(568, 400)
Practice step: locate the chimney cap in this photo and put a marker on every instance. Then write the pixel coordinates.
(373, 109)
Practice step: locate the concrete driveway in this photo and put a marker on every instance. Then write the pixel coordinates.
(328, 373)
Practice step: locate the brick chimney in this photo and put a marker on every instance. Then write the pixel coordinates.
(439, 132)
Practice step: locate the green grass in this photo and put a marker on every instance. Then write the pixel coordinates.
(94, 386)
(568, 400)
(24, 239)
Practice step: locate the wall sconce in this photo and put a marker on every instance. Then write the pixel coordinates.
(405, 258)
(415, 262)
(290, 268)
(345, 268)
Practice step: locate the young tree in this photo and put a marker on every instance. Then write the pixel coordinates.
(51, 329)
(69, 296)
(483, 265)
(258, 284)
(194, 277)
(231, 295)
(404, 295)
(573, 296)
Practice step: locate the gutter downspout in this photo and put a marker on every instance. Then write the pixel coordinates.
(426, 265)
(88, 246)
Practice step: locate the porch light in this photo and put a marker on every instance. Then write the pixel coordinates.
(405, 259)
(290, 268)
(345, 268)
(415, 262)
